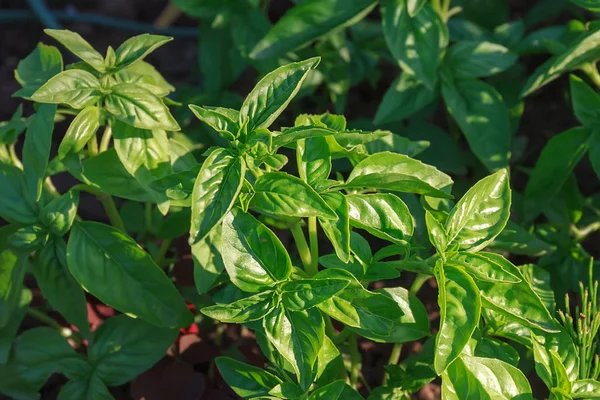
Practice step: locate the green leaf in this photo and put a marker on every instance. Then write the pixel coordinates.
(483, 268)
(481, 214)
(219, 60)
(561, 344)
(586, 102)
(246, 380)
(583, 50)
(471, 59)
(539, 280)
(138, 107)
(278, 193)
(397, 172)
(216, 189)
(111, 266)
(78, 46)
(11, 275)
(436, 233)
(406, 96)
(416, 42)
(91, 388)
(591, 5)
(329, 362)
(253, 256)
(494, 348)
(59, 214)
(337, 231)
(136, 48)
(82, 129)
(557, 161)
(298, 337)
(586, 389)
(560, 379)
(37, 353)
(144, 154)
(10, 130)
(273, 93)
(291, 135)
(15, 203)
(36, 149)
(483, 117)
(178, 186)
(484, 378)
(460, 310)
(383, 215)
(244, 310)
(9, 331)
(145, 75)
(364, 311)
(308, 21)
(125, 347)
(302, 294)
(332, 391)
(314, 160)
(517, 301)
(218, 121)
(37, 68)
(54, 279)
(208, 260)
(412, 325)
(76, 88)
(28, 238)
(515, 239)
(106, 172)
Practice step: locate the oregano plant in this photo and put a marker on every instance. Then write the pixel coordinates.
(298, 228)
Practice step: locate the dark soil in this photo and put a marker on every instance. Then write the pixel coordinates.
(187, 372)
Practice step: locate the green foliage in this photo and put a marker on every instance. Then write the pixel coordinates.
(385, 202)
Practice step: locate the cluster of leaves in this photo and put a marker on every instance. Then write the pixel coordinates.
(353, 185)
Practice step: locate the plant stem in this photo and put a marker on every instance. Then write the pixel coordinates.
(111, 211)
(302, 246)
(51, 322)
(418, 283)
(107, 202)
(314, 245)
(329, 329)
(105, 139)
(354, 360)
(394, 358)
(162, 251)
(92, 146)
(14, 157)
(592, 72)
(167, 16)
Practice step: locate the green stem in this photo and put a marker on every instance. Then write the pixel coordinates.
(162, 251)
(14, 157)
(329, 329)
(394, 358)
(580, 234)
(51, 322)
(111, 211)
(592, 72)
(342, 336)
(302, 246)
(92, 146)
(107, 202)
(418, 283)
(49, 185)
(354, 360)
(105, 139)
(314, 245)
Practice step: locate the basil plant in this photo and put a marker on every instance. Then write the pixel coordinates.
(244, 205)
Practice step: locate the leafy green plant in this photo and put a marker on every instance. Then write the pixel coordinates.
(291, 251)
